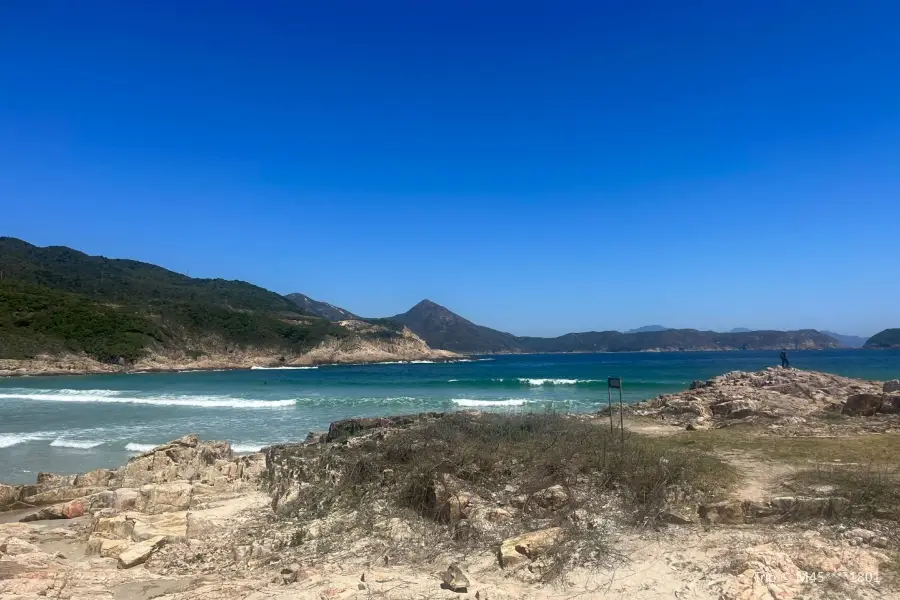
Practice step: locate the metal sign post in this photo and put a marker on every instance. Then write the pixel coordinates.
(616, 383)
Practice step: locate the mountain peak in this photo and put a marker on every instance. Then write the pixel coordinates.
(427, 304)
(319, 309)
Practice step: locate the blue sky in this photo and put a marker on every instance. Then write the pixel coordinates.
(537, 167)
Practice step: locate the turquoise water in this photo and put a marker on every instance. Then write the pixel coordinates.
(71, 424)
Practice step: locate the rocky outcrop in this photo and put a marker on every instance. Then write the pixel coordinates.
(863, 405)
(891, 386)
(165, 497)
(770, 396)
(168, 478)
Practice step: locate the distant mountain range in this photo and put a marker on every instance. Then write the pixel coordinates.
(446, 330)
(848, 341)
(648, 328)
(442, 328)
(57, 301)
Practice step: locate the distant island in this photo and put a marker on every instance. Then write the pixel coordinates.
(64, 311)
(889, 338)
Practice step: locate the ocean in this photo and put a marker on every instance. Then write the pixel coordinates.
(78, 423)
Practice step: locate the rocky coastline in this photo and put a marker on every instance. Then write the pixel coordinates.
(329, 354)
(703, 501)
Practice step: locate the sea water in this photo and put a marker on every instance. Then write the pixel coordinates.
(78, 423)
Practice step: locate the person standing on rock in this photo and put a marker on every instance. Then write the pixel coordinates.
(785, 363)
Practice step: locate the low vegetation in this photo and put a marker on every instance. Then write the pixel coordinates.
(878, 449)
(872, 490)
(484, 477)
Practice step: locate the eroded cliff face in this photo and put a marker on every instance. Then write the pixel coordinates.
(364, 343)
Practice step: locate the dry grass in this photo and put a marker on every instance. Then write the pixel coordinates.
(878, 449)
(421, 472)
(873, 491)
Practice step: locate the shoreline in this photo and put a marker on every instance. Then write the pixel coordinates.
(61, 367)
(78, 366)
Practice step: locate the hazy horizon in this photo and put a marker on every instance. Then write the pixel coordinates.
(536, 169)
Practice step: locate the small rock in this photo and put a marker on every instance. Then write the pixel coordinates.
(361, 587)
(864, 535)
(729, 511)
(289, 574)
(673, 518)
(455, 579)
(140, 552)
(880, 542)
(240, 554)
(528, 546)
(13, 546)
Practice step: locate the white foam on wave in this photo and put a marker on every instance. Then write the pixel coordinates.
(7, 440)
(82, 444)
(538, 381)
(548, 381)
(113, 397)
(473, 403)
(132, 447)
(421, 362)
(248, 448)
(255, 368)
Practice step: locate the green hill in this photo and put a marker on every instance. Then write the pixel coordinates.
(889, 338)
(56, 299)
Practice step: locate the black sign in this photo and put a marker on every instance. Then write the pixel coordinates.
(615, 382)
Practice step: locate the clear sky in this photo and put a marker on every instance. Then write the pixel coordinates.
(537, 167)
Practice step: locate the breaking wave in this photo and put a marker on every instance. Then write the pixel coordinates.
(8, 440)
(247, 448)
(255, 368)
(117, 397)
(132, 447)
(477, 403)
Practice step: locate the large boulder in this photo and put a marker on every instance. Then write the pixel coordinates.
(61, 494)
(126, 498)
(863, 405)
(12, 496)
(96, 478)
(119, 527)
(172, 526)
(54, 480)
(891, 386)
(890, 405)
(165, 497)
